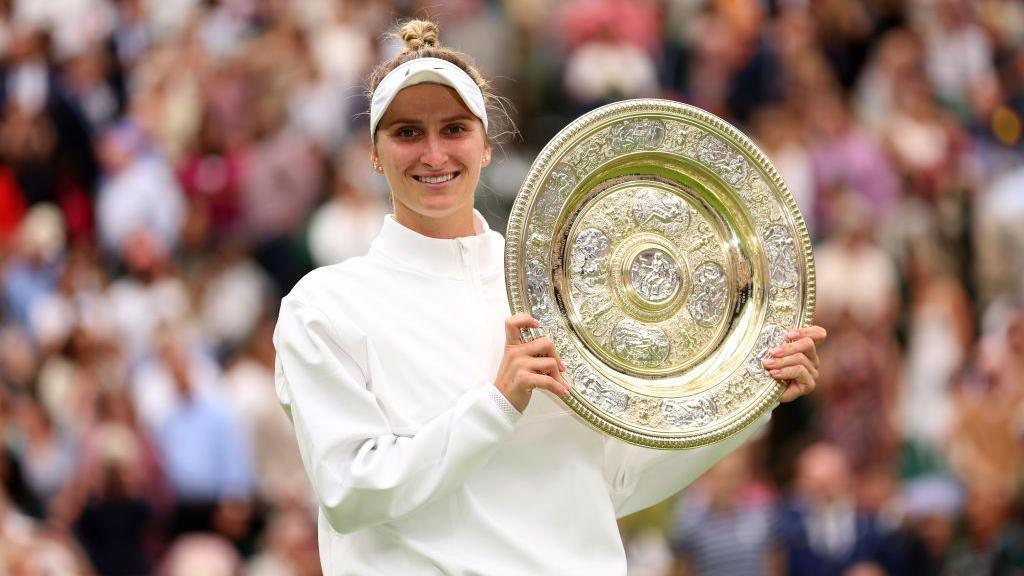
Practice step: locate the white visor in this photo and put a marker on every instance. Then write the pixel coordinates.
(420, 71)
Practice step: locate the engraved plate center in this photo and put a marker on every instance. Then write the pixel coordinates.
(654, 275)
(627, 286)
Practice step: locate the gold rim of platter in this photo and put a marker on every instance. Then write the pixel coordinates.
(663, 254)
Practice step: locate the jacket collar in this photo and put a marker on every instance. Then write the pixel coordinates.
(449, 258)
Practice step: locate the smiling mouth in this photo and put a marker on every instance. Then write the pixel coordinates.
(439, 179)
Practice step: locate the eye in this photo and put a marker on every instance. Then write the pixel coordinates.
(455, 129)
(406, 132)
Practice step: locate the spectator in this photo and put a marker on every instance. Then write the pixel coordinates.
(115, 520)
(290, 547)
(34, 266)
(344, 226)
(820, 532)
(203, 449)
(847, 161)
(855, 276)
(248, 385)
(931, 506)
(725, 524)
(990, 543)
(140, 193)
(46, 452)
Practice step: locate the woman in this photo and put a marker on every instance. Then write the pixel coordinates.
(430, 431)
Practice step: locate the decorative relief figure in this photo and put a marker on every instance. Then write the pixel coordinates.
(589, 253)
(663, 211)
(645, 411)
(771, 336)
(782, 312)
(680, 137)
(745, 387)
(685, 337)
(639, 344)
(738, 391)
(692, 413)
(781, 252)
(537, 239)
(654, 275)
(591, 154)
(537, 290)
(599, 315)
(641, 134)
(561, 181)
(605, 396)
(715, 153)
(707, 304)
(562, 345)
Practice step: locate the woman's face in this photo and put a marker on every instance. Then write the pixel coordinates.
(431, 148)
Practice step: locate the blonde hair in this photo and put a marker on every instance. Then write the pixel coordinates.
(421, 41)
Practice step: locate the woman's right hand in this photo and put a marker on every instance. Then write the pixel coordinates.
(528, 365)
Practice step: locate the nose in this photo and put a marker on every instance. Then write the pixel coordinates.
(434, 154)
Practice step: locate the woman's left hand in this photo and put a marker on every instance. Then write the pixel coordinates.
(795, 362)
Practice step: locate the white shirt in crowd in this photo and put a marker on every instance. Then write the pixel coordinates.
(339, 230)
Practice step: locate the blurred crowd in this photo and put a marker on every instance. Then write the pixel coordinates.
(170, 168)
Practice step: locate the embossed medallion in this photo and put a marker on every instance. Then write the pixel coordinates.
(682, 414)
(595, 389)
(537, 286)
(661, 252)
(782, 268)
(660, 211)
(654, 275)
(589, 255)
(709, 295)
(640, 344)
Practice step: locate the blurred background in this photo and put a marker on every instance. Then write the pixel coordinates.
(170, 168)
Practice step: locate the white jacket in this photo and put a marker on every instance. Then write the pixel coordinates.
(386, 363)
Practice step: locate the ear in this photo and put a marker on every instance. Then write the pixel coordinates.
(486, 160)
(375, 159)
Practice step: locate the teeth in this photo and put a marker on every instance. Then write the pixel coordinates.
(436, 179)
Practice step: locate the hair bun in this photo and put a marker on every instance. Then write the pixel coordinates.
(417, 34)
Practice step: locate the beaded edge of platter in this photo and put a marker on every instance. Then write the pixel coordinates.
(516, 264)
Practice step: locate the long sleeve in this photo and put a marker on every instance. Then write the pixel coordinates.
(362, 473)
(640, 477)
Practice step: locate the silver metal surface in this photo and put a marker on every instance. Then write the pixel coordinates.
(664, 256)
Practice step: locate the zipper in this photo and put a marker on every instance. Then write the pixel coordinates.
(470, 266)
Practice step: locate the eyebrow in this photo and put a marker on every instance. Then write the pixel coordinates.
(419, 122)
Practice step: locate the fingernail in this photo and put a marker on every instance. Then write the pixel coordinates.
(777, 351)
(776, 373)
(562, 364)
(768, 362)
(792, 334)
